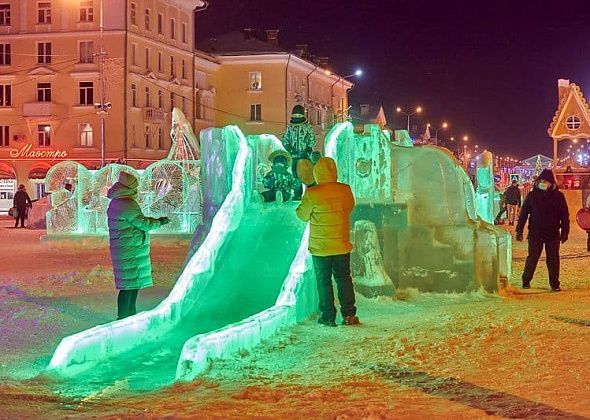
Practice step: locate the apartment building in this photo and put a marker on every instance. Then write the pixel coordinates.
(50, 82)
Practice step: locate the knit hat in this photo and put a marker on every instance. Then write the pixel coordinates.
(547, 175)
(298, 115)
(128, 180)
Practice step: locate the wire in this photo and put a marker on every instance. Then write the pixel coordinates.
(28, 67)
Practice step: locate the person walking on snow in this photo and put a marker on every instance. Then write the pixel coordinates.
(21, 201)
(512, 197)
(299, 140)
(547, 213)
(327, 207)
(129, 243)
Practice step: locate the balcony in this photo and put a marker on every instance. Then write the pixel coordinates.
(155, 115)
(42, 109)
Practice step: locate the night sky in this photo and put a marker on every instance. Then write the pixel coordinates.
(488, 67)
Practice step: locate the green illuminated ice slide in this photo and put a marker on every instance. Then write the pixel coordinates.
(250, 276)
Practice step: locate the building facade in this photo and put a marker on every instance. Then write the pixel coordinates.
(50, 79)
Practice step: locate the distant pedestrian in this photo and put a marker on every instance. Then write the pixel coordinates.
(513, 199)
(129, 242)
(22, 202)
(503, 209)
(327, 207)
(548, 217)
(299, 140)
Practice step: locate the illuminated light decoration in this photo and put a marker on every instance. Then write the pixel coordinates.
(86, 349)
(27, 152)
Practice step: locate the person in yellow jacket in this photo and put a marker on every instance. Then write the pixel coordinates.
(327, 207)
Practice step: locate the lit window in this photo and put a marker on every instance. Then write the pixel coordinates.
(4, 135)
(87, 52)
(86, 11)
(573, 122)
(44, 53)
(5, 95)
(43, 92)
(256, 112)
(255, 80)
(44, 12)
(44, 135)
(133, 14)
(86, 93)
(5, 56)
(85, 135)
(4, 14)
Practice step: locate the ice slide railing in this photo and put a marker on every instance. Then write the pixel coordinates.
(84, 350)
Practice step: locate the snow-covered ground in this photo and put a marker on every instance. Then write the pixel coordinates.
(417, 355)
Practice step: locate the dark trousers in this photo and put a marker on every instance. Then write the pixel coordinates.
(126, 303)
(501, 213)
(297, 184)
(21, 216)
(552, 255)
(339, 266)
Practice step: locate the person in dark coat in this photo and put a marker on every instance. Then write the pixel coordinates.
(279, 181)
(548, 216)
(512, 197)
(129, 242)
(21, 201)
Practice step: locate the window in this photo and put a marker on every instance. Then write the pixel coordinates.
(85, 131)
(133, 135)
(160, 138)
(5, 95)
(160, 23)
(4, 14)
(184, 105)
(133, 55)
(4, 135)
(147, 58)
(147, 136)
(86, 93)
(43, 92)
(172, 100)
(44, 135)
(5, 57)
(255, 80)
(44, 12)
(148, 97)
(183, 69)
(160, 99)
(86, 52)
(160, 65)
(172, 67)
(133, 14)
(172, 28)
(184, 32)
(147, 19)
(86, 11)
(133, 95)
(256, 112)
(44, 53)
(573, 122)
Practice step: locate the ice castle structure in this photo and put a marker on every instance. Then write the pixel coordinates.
(423, 205)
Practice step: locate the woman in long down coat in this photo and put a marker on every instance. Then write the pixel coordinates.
(129, 243)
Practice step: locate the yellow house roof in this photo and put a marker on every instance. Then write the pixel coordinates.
(572, 118)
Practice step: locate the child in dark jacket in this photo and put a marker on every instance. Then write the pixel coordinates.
(279, 181)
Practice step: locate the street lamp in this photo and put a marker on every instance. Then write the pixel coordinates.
(408, 115)
(103, 106)
(444, 125)
(341, 79)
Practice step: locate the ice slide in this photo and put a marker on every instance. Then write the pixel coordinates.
(249, 277)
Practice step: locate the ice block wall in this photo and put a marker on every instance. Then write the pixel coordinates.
(429, 232)
(485, 187)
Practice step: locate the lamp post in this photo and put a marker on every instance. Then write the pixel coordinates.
(443, 126)
(341, 79)
(408, 115)
(103, 106)
(465, 140)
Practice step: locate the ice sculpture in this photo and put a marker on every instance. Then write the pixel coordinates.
(429, 232)
(185, 146)
(485, 187)
(403, 139)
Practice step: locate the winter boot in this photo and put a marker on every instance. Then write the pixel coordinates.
(351, 320)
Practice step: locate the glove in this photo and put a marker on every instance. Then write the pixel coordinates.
(563, 238)
(164, 220)
(519, 236)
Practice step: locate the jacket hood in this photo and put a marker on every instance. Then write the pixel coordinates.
(119, 190)
(325, 171)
